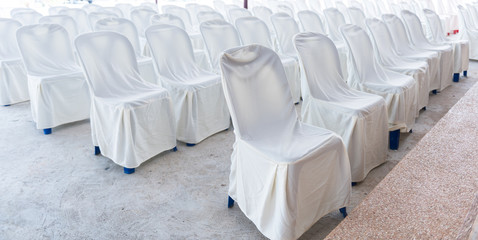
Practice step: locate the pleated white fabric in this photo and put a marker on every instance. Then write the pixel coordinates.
(57, 86)
(65, 21)
(199, 104)
(418, 39)
(285, 175)
(13, 76)
(359, 118)
(386, 55)
(468, 32)
(131, 120)
(367, 75)
(254, 31)
(461, 47)
(81, 18)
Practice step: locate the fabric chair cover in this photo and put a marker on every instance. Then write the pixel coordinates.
(94, 17)
(131, 120)
(254, 31)
(370, 8)
(193, 32)
(342, 8)
(89, 8)
(168, 19)
(236, 13)
(204, 8)
(199, 104)
(142, 20)
(334, 19)
(461, 47)
(17, 10)
(311, 22)
(285, 175)
(56, 84)
(282, 8)
(219, 6)
(359, 118)
(113, 10)
(264, 14)
(125, 8)
(367, 75)
(386, 55)
(357, 17)
(55, 10)
(27, 17)
(467, 32)
(128, 29)
(65, 21)
(150, 5)
(81, 18)
(13, 76)
(192, 9)
(209, 16)
(473, 16)
(418, 39)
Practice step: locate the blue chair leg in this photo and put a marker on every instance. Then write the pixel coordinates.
(424, 108)
(128, 170)
(97, 150)
(175, 149)
(8, 105)
(230, 202)
(435, 92)
(456, 77)
(394, 137)
(465, 73)
(343, 211)
(190, 144)
(47, 131)
(354, 184)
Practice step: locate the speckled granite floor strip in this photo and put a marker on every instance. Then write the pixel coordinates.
(430, 194)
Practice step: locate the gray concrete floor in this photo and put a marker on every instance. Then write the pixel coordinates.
(53, 187)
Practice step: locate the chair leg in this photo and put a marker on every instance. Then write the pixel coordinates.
(230, 202)
(343, 211)
(47, 131)
(354, 184)
(8, 105)
(175, 149)
(128, 170)
(424, 108)
(394, 137)
(190, 144)
(456, 77)
(97, 150)
(435, 92)
(411, 131)
(465, 73)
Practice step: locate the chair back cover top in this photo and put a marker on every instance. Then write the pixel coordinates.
(311, 22)
(282, 8)
(219, 6)
(204, 8)
(8, 46)
(169, 19)
(89, 8)
(183, 14)
(46, 50)
(209, 16)
(276, 157)
(131, 119)
(264, 14)
(465, 19)
(235, 13)
(125, 8)
(252, 30)
(94, 17)
(416, 34)
(356, 4)
(434, 25)
(55, 10)
(357, 17)
(142, 19)
(17, 10)
(150, 5)
(371, 8)
(124, 27)
(285, 28)
(473, 15)
(65, 21)
(81, 18)
(27, 17)
(218, 36)
(334, 19)
(113, 10)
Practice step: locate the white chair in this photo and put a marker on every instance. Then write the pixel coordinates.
(89, 8)
(468, 32)
(285, 175)
(192, 31)
(236, 13)
(113, 10)
(94, 17)
(13, 76)
(81, 18)
(27, 17)
(141, 18)
(128, 29)
(219, 6)
(367, 75)
(370, 8)
(125, 8)
(131, 120)
(282, 8)
(209, 16)
(418, 39)
(55, 10)
(168, 19)
(359, 118)
(56, 84)
(150, 5)
(17, 10)
(461, 47)
(311, 22)
(342, 8)
(254, 31)
(264, 14)
(335, 19)
(357, 17)
(385, 54)
(65, 21)
(200, 108)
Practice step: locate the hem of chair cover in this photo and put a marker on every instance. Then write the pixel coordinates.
(211, 133)
(142, 161)
(56, 124)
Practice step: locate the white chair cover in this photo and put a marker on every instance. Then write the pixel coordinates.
(387, 57)
(209, 16)
(89, 8)
(17, 10)
(235, 13)
(461, 47)
(359, 118)
(204, 8)
(128, 29)
(13, 76)
(94, 17)
(418, 39)
(113, 10)
(197, 95)
(219, 6)
(141, 17)
(370, 8)
(168, 19)
(65, 21)
(467, 32)
(357, 17)
(55, 10)
(218, 36)
(367, 75)
(57, 86)
(193, 32)
(343, 9)
(334, 19)
(27, 17)
(282, 8)
(473, 16)
(285, 175)
(264, 14)
(150, 5)
(81, 18)
(311, 22)
(131, 120)
(125, 8)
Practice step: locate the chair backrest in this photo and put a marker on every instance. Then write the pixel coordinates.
(235, 13)
(370, 8)
(473, 15)
(264, 14)
(113, 10)
(125, 8)
(81, 18)
(183, 14)
(343, 9)
(124, 27)
(285, 28)
(415, 30)
(173, 52)
(209, 16)
(311, 22)
(218, 36)
(357, 17)
(357, 4)
(257, 93)
(383, 41)
(150, 5)
(142, 19)
(109, 64)
(334, 19)
(46, 49)
(27, 17)
(397, 31)
(94, 17)
(168, 19)
(55, 10)
(65, 21)
(91, 8)
(315, 5)
(17, 10)
(219, 6)
(252, 30)
(203, 8)
(8, 45)
(282, 8)
(434, 25)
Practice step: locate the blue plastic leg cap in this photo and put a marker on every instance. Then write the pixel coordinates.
(465, 73)
(97, 150)
(343, 211)
(7, 105)
(394, 139)
(435, 92)
(456, 77)
(424, 108)
(47, 131)
(175, 149)
(411, 131)
(190, 144)
(128, 170)
(230, 202)
(354, 184)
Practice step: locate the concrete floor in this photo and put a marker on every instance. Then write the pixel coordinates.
(53, 187)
